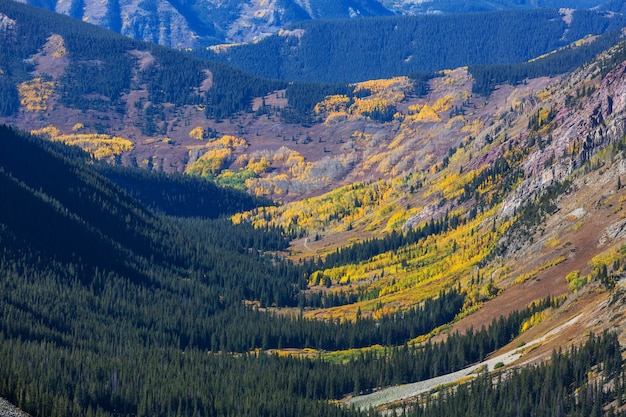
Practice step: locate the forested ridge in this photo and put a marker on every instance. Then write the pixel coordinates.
(486, 77)
(91, 82)
(365, 49)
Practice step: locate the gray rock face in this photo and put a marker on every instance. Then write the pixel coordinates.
(184, 24)
(9, 410)
(198, 23)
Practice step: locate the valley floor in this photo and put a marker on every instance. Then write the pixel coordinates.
(407, 391)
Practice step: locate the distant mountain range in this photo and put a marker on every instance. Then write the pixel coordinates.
(166, 110)
(362, 49)
(198, 23)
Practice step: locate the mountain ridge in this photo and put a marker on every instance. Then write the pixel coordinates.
(277, 139)
(358, 50)
(206, 22)
(422, 228)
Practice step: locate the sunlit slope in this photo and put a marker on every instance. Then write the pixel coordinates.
(513, 209)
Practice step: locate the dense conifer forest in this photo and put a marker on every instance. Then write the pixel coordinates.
(486, 77)
(351, 49)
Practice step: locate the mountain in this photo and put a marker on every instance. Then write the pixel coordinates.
(182, 24)
(199, 23)
(161, 109)
(364, 49)
(457, 6)
(462, 229)
(511, 244)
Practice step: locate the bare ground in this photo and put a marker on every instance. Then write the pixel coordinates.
(9, 410)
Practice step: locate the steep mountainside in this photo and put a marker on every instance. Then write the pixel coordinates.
(155, 108)
(425, 226)
(365, 49)
(182, 24)
(459, 6)
(510, 241)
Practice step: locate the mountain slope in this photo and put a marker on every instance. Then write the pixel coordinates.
(457, 6)
(197, 23)
(160, 109)
(468, 225)
(182, 24)
(358, 50)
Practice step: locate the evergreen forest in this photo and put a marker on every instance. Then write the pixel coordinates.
(346, 51)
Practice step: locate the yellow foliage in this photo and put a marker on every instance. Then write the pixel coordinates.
(211, 163)
(572, 275)
(99, 145)
(544, 95)
(197, 133)
(576, 282)
(452, 184)
(77, 127)
(399, 217)
(456, 121)
(228, 142)
(543, 116)
(407, 276)
(380, 86)
(49, 132)
(552, 242)
(608, 257)
(283, 154)
(535, 319)
(57, 45)
(428, 115)
(473, 128)
(362, 136)
(258, 167)
(34, 94)
(219, 154)
(368, 105)
(336, 117)
(59, 53)
(525, 277)
(415, 108)
(334, 210)
(443, 104)
(335, 103)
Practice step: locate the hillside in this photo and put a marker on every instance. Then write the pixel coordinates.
(522, 222)
(364, 49)
(423, 229)
(155, 108)
(457, 6)
(530, 207)
(183, 24)
(198, 23)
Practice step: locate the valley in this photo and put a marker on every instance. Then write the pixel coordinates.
(179, 237)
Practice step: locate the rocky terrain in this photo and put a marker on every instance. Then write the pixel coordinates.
(180, 24)
(9, 410)
(531, 176)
